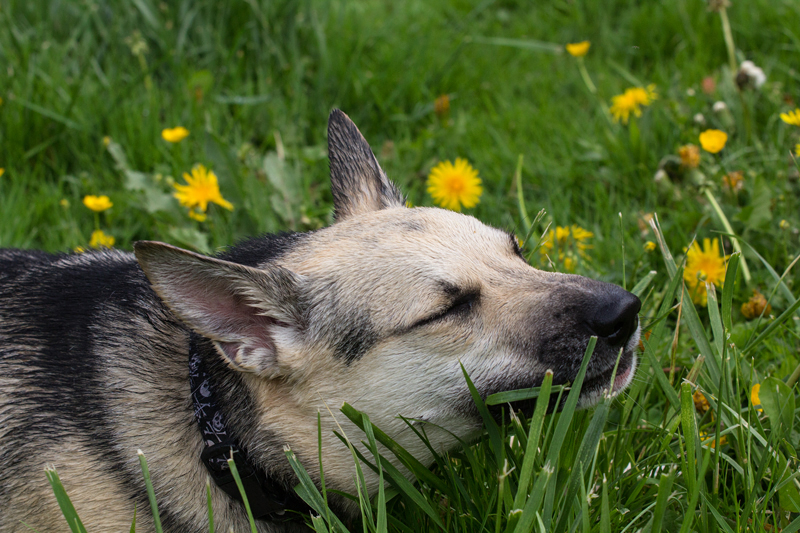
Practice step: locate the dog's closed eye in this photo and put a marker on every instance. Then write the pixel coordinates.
(461, 305)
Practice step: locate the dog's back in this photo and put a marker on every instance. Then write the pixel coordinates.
(59, 315)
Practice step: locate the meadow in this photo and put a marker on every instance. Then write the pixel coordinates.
(617, 144)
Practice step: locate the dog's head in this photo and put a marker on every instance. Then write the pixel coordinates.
(381, 308)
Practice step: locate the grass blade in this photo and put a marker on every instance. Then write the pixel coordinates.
(64, 503)
(151, 494)
(238, 479)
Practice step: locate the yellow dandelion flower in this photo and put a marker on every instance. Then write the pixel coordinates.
(106, 141)
(562, 234)
(578, 49)
(755, 306)
(705, 436)
(700, 402)
(200, 189)
(174, 135)
(631, 101)
(569, 264)
(690, 156)
(3, 171)
(796, 151)
(783, 224)
(100, 239)
(97, 203)
(703, 266)
(197, 215)
(713, 141)
(649, 246)
(792, 117)
(452, 186)
(754, 399)
(580, 234)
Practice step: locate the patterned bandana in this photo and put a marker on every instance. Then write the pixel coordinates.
(268, 500)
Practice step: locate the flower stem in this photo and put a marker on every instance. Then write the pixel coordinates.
(522, 210)
(726, 31)
(586, 78)
(729, 229)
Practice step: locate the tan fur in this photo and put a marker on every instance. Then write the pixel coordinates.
(358, 312)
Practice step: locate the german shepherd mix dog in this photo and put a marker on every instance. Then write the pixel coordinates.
(191, 358)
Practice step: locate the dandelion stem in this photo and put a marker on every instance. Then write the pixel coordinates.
(585, 75)
(729, 230)
(522, 210)
(794, 377)
(726, 31)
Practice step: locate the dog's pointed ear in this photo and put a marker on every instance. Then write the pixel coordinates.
(238, 307)
(358, 183)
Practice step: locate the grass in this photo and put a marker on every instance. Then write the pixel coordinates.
(254, 82)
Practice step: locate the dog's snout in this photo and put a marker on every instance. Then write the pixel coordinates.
(615, 316)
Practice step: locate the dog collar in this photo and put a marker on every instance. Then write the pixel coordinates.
(268, 499)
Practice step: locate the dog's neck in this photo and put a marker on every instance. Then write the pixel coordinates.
(219, 396)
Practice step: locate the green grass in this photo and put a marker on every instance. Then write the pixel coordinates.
(254, 82)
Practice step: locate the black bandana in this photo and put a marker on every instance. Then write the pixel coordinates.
(268, 499)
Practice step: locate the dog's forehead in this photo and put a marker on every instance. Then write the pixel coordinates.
(404, 236)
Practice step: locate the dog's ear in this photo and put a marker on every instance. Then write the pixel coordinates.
(240, 308)
(358, 183)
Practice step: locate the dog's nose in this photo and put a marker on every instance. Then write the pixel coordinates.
(615, 316)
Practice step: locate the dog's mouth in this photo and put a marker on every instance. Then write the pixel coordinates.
(593, 389)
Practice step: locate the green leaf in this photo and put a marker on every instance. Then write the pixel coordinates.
(778, 402)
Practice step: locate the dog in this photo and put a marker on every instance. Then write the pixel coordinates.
(193, 358)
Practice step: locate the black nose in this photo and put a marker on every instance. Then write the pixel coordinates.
(615, 316)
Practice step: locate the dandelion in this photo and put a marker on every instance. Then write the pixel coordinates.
(792, 117)
(196, 215)
(705, 436)
(106, 141)
(174, 135)
(756, 306)
(3, 171)
(784, 224)
(64, 203)
(97, 204)
(580, 236)
(733, 181)
(700, 402)
(713, 141)
(754, 399)
(201, 189)
(703, 266)
(649, 246)
(690, 156)
(101, 240)
(441, 106)
(452, 186)
(749, 73)
(578, 49)
(631, 101)
(796, 152)
(719, 106)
